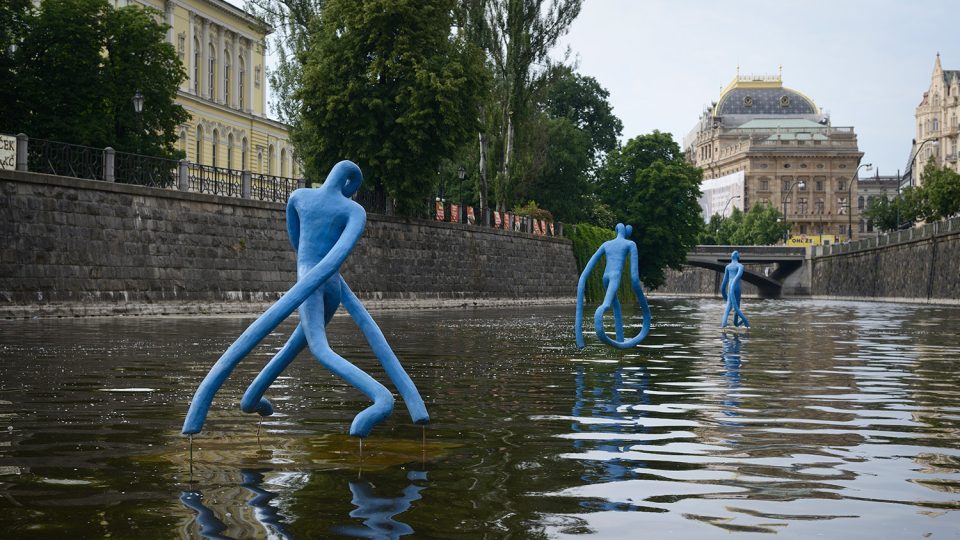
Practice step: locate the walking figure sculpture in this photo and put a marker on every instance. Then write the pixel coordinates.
(730, 290)
(616, 251)
(324, 226)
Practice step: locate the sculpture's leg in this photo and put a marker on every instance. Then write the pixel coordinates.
(391, 365)
(312, 318)
(609, 297)
(743, 318)
(253, 400)
(726, 312)
(617, 318)
(634, 341)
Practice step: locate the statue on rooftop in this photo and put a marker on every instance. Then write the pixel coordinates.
(324, 226)
(616, 252)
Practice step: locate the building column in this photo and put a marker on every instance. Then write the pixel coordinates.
(235, 71)
(168, 11)
(218, 69)
(204, 59)
(188, 50)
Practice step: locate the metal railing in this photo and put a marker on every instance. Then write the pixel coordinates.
(64, 159)
(214, 180)
(106, 164)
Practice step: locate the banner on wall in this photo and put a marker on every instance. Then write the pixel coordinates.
(439, 210)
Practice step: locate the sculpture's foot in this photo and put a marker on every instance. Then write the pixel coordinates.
(368, 418)
(264, 407)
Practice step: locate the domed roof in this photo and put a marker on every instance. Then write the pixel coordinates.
(764, 95)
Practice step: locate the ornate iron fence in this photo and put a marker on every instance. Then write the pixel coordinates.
(64, 159)
(272, 188)
(215, 180)
(146, 170)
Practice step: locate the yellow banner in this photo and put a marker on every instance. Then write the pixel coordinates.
(804, 240)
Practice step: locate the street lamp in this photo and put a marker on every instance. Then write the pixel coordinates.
(936, 142)
(856, 178)
(800, 185)
(461, 172)
(723, 214)
(138, 108)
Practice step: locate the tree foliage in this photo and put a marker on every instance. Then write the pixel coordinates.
(762, 225)
(15, 18)
(387, 86)
(937, 198)
(78, 66)
(649, 185)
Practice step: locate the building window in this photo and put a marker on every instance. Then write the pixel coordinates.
(240, 82)
(196, 66)
(199, 156)
(230, 151)
(819, 185)
(243, 154)
(181, 44)
(260, 161)
(764, 185)
(211, 70)
(862, 225)
(860, 203)
(802, 205)
(183, 141)
(226, 77)
(841, 185)
(283, 162)
(213, 148)
(786, 165)
(256, 77)
(270, 160)
(787, 181)
(803, 228)
(936, 124)
(818, 206)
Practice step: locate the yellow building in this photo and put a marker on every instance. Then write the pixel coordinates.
(937, 124)
(223, 50)
(780, 149)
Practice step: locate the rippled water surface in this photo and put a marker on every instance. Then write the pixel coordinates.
(837, 420)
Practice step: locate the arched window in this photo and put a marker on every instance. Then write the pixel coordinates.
(283, 162)
(199, 156)
(260, 161)
(183, 141)
(270, 160)
(230, 151)
(213, 146)
(862, 225)
(243, 154)
(293, 164)
(196, 66)
(211, 70)
(226, 77)
(240, 74)
(860, 204)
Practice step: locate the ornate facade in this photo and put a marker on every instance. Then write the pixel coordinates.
(937, 130)
(223, 50)
(790, 155)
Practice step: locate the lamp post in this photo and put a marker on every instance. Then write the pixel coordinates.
(461, 173)
(800, 185)
(138, 108)
(723, 214)
(911, 171)
(856, 178)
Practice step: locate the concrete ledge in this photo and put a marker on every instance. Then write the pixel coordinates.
(889, 299)
(139, 309)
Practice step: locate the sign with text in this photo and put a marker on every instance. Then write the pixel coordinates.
(8, 153)
(804, 240)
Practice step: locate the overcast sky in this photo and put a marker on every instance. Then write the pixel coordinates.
(867, 63)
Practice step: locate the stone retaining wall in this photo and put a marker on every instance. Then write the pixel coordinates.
(80, 247)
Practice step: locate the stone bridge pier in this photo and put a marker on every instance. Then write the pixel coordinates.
(776, 271)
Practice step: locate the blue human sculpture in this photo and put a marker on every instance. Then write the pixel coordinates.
(730, 290)
(324, 225)
(616, 251)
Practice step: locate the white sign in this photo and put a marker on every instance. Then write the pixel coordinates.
(722, 195)
(8, 153)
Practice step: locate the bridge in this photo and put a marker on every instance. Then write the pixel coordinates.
(787, 262)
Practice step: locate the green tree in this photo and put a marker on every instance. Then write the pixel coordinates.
(562, 157)
(387, 86)
(941, 190)
(583, 102)
(761, 225)
(80, 64)
(883, 213)
(15, 18)
(61, 63)
(659, 194)
(139, 59)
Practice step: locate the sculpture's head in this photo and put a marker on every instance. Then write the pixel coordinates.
(620, 230)
(344, 177)
(735, 256)
(628, 231)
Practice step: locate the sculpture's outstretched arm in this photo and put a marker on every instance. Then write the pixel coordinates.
(581, 293)
(266, 323)
(391, 365)
(723, 284)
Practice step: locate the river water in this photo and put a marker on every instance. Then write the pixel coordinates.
(838, 420)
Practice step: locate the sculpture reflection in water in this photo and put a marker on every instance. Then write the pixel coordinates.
(377, 513)
(731, 366)
(730, 290)
(616, 252)
(324, 226)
